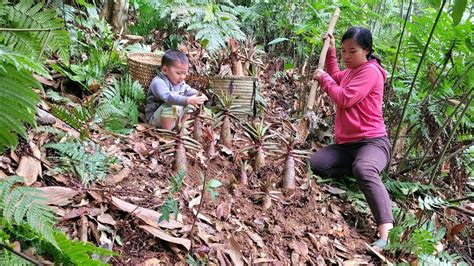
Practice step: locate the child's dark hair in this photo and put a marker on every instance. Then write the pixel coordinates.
(363, 37)
(172, 56)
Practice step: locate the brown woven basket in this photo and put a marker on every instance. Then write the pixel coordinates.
(143, 67)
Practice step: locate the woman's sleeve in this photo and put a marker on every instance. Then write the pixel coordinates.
(352, 93)
(332, 68)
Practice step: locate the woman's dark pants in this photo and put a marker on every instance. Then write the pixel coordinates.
(364, 160)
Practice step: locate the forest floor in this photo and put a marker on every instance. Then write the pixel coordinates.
(256, 224)
(260, 223)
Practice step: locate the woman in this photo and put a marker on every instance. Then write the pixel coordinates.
(362, 148)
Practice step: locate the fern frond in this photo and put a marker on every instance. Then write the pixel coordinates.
(78, 253)
(17, 103)
(8, 258)
(86, 160)
(28, 15)
(25, 205)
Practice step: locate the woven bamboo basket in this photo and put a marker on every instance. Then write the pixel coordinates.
(143, 67)
(243, 92)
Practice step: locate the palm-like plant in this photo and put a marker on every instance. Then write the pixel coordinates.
(178, 145)
(291, 156)
(257, 132)
(226, 113)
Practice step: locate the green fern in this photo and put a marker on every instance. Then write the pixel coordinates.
(28, 15)
(8, 258)
(119, 108)
(17, 103)
(78, 253)
(25, 205)
(430, 203)
(213, 23)
(86, 160)
(402, 189)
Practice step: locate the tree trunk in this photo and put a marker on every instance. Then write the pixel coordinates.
(115, 13)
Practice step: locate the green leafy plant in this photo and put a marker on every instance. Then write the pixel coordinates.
(25, 205)
(83, 159)
(48, 33)
(125, 96)
(171, 206)
(83, 118)
(17, 100)
(77, 252)
(212, 22)
(24, 217)
(211, 187)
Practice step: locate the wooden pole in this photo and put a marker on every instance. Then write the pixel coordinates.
(322, 59)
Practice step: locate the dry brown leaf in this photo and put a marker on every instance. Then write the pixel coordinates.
(223, 211)
(148, 216)
(152, 262)
(140, 148)
(59, 196)
(75, 213)
(256, 238)
(106, 219)
(61, 178)
(195, 202)
(300, 247)
(29, 169)
(263, 260)
(186, 243)
(117, 178)
(234, 251)
(45, 81)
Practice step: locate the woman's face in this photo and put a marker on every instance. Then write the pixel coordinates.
(352, 54)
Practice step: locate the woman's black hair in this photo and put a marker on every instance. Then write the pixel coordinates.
(172, 56)
(363, 37)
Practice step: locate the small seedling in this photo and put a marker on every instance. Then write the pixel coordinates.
(171, 206)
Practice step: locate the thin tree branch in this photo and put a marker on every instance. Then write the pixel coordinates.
(20, 254)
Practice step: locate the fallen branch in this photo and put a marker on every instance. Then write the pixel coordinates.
(20, 254)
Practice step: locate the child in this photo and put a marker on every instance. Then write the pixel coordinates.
(168, 94)
(362, 148)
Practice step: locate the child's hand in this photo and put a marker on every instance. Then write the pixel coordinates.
(196, 100)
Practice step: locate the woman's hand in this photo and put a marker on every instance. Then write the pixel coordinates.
(318, 73)
(332, 42)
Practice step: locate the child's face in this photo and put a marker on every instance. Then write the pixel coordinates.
(176, 73)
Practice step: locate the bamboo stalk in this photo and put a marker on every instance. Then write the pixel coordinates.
(440, 159)
(399, 48)
(322, 59)
(412, 86)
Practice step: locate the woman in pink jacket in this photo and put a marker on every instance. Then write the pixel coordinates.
(362, 148)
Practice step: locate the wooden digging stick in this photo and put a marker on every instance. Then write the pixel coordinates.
(322, 59)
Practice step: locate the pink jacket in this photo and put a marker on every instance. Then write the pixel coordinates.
(358, 95)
